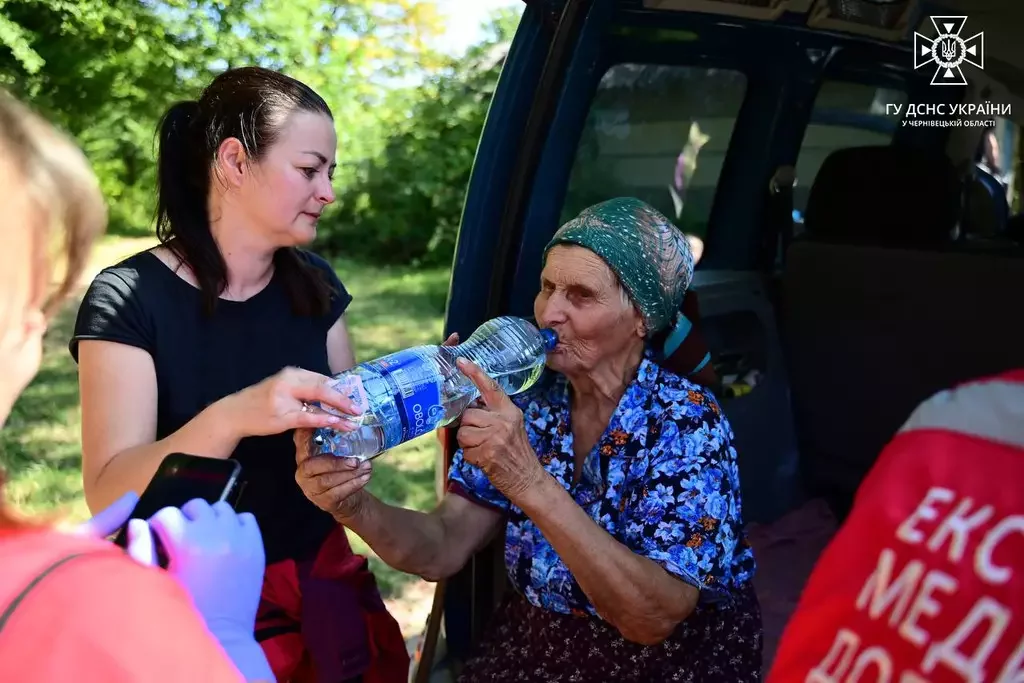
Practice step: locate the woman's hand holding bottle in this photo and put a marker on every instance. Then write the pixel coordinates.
(283, 402)
(334, 484)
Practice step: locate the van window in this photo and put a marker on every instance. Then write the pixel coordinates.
(658, 133)
(844, 115)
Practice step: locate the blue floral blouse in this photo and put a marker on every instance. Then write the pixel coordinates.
(662, 479)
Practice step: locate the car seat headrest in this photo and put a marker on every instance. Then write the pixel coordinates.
(884, 196)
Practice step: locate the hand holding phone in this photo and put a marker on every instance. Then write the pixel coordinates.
(180, 479)
(185, 522)
(217, 555)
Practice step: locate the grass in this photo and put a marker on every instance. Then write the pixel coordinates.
(392, 309)
(40, 449)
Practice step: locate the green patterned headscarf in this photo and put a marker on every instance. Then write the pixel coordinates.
(651, 257)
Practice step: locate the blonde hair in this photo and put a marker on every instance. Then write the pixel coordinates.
(66, 201)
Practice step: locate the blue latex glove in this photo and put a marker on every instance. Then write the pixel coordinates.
(217, 555)
(109, 520)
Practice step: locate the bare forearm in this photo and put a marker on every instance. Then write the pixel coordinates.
(408, 540)
(209, 434)
(631, 592)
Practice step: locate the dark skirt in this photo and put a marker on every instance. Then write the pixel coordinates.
(526, 643)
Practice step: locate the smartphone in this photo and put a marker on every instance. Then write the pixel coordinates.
(181, 478)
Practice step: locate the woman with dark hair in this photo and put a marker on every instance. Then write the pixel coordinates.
(215, 342)
(73, 606)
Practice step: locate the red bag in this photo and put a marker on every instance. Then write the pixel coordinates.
(325, 620)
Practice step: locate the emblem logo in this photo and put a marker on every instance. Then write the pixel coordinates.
(948, 50)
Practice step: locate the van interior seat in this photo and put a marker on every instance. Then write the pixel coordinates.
(881, 309)
(986, 211)
(884, 196)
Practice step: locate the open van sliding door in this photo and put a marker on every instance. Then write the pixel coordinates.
(681, 110)
(675, 108)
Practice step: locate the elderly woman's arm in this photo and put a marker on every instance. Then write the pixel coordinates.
(431, 545)
(633, 593)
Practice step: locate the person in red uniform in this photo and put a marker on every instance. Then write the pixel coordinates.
(74, 607)
(925, 580)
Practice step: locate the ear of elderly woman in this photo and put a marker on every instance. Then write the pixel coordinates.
(615, 481)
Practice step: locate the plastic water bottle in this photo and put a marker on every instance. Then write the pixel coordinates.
(409, 393)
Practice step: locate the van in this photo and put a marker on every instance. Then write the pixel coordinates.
(851, 168)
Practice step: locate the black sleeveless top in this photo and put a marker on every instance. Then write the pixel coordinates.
(200, 359)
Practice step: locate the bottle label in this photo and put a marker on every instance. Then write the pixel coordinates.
(352, 387)
(416, 391)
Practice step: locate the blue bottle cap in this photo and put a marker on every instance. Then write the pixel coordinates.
(550, 338)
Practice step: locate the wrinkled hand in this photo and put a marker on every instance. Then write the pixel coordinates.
(333, 484)
(282, 402)
(217, 555)
(494, 439)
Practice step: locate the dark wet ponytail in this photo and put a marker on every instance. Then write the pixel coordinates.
(249, 104)
(183, 184)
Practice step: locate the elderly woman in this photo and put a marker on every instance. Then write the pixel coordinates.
(615, 480)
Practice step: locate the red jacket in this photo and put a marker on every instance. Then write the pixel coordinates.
(79, 609)
(925, 580)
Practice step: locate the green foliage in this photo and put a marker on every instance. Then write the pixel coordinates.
(408, 117)
(92, 67)
(106, 70)
(405, 204)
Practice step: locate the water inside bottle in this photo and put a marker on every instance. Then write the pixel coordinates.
(433, 391)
